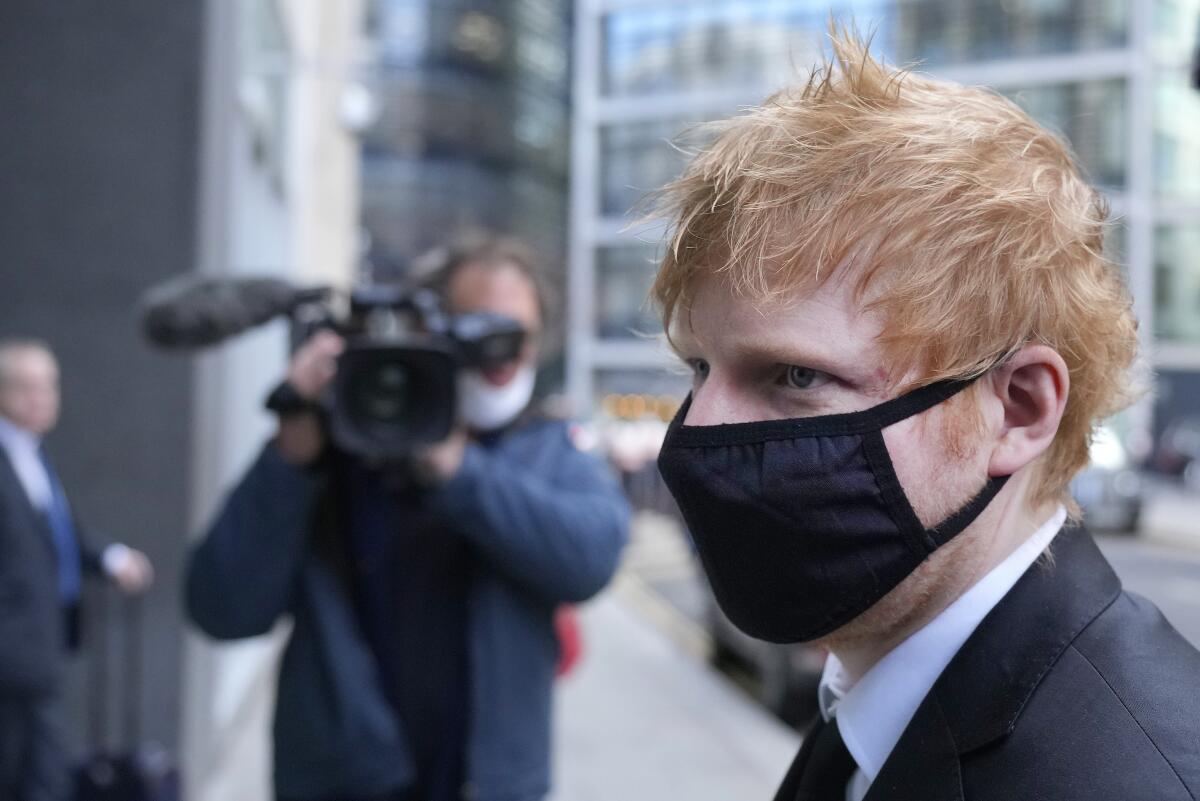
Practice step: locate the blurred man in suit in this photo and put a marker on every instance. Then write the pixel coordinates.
(43, 557)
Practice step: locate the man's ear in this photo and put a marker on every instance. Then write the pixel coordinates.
(1031, 388)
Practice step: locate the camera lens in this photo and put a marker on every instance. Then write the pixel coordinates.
(383, 393)
(393, 396)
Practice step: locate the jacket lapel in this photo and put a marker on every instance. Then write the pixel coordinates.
(790, 789)
(979, 697)
(989, 681)
(924, 765)
(15, 490)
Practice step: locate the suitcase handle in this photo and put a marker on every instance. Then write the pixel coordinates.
(131, 625)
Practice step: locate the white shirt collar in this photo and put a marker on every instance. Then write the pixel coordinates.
(873, 713)
(24, 454)
(16, 439)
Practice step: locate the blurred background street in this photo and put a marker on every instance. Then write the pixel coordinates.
(334, 142)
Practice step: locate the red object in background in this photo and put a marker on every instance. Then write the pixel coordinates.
(570, 639)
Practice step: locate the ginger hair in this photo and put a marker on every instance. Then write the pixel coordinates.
(967, 225)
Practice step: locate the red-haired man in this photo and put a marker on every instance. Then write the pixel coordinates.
(902, 329)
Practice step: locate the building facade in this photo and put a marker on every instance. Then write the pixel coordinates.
(472, 128)
(99, 156)
(1111, 75)
(218, 144)
(405, 120)
(278, 196)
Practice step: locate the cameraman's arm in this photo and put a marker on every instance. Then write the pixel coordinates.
(560, 534)
(301, 436)
(241, 576)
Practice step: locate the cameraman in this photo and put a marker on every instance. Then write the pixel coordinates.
(422, 659)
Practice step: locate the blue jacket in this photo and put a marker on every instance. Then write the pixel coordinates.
(547, 523)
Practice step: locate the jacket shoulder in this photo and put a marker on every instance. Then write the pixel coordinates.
(1154, 674)
(547, 438)
(1117, 716)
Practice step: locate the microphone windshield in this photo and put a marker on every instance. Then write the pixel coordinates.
(197, 311)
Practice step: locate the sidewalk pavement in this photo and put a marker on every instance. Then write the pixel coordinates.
(640, 719)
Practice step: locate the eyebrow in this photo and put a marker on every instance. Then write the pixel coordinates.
(778, 352)
(786, 353)
(849, 366)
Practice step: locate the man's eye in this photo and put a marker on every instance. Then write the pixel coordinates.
(798, 377)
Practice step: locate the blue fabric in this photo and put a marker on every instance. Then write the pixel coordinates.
(410, 575)
(545, 525)
(66, 539)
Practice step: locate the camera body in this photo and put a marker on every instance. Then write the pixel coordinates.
(396, 385)
(397, 379)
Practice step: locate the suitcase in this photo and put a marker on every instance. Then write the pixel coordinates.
(135, 771)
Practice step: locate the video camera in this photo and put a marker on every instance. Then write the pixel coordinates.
(396, 384)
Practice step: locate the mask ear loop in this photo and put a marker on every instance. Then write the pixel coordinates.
(998, 361)
(921, 540)
(1003, 358)
(954, 525)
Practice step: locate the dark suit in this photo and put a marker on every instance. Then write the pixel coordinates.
(1070, 690)
(34, 636)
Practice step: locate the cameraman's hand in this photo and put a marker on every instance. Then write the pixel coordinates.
(300, 439)
(439, 463)
(315, 363)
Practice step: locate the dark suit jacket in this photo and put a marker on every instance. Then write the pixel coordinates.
(33, 624)
(1070, 690)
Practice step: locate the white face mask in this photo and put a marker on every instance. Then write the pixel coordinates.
(484, 407)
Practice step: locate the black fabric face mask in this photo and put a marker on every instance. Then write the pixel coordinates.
(801, 524)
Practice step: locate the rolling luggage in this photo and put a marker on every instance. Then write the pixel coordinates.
(136, 770)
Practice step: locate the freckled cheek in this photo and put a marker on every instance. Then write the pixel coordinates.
(915, 457)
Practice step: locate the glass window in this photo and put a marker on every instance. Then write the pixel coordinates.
(1176, 417)
(1177, 138)
(467, 34)
(1177, 283)
(952, 31)
(764, 43)
(1175, 28)
(692, 46)
(638, 158)
(264, 86)
(441, 114)
(1092, 118)
(398, 30)
(542, 38)
(624, 274)
(541, 130)
(536, 212)
(410, 206)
